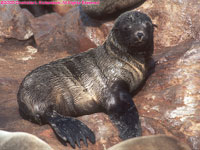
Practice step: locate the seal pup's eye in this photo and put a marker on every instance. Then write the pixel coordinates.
(126, 27)
(148, 24)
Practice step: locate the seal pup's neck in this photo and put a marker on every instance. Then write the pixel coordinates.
(122, 52)
(111, 42)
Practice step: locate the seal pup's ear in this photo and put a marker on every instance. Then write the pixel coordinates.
(155, 26)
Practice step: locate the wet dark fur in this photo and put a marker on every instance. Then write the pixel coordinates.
(107, 9)
(99, 80)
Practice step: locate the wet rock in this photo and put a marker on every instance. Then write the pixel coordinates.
(14, 23)
(169, 102)
(156, 142)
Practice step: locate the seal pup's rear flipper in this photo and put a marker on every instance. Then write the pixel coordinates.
(69, 129)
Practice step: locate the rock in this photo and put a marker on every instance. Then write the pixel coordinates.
(154, 142)
(64, 7)
(21, 141)
(68, 35)
(14, 23)
(169, 102)
(176, 20)
(42, 26)
(59, 6)
(37, 7)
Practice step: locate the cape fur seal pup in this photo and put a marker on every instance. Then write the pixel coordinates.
(21, 141)
(99, 80)
(153, 142)
(108, 8)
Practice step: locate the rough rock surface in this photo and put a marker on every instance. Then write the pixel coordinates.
(14, 23)
(68, 35)
(42, 26)
(177, 20)
(63, 8)
(170, 101)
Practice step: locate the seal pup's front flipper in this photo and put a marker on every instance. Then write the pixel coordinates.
(128, 123)
(69, 129)
(123, 112)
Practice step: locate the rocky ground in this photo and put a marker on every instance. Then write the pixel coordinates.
(169, 102)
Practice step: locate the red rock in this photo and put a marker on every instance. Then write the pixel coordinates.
(62, 9)
(68, 35)
(14, 23)
(169, 103)
(43, 26)
(176, 20)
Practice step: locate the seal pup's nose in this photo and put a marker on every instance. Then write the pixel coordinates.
(140, 35)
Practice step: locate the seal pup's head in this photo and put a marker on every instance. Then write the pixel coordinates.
(132, 33)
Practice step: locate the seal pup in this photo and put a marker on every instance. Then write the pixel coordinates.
(105, 9)
(99, 80)
(152, 142)
(21, 141)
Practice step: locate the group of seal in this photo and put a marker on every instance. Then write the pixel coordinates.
(99, 80)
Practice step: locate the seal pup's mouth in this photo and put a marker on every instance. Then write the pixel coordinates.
(141, 42)
(137, 43)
